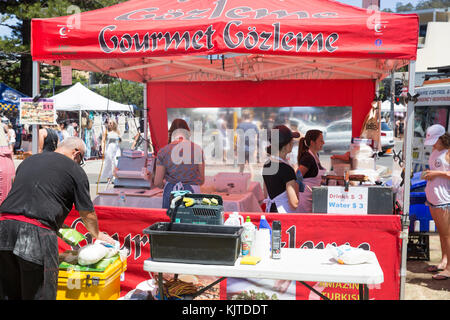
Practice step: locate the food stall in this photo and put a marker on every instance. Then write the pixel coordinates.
(265, 54)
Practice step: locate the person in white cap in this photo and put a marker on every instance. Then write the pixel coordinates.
(437, 192)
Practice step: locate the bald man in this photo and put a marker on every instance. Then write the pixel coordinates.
(46, 187)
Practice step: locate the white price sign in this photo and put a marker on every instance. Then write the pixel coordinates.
(353, 201)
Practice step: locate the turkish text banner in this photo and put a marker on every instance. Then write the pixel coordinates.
(378, 233)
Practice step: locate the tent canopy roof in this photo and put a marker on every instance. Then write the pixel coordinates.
(174, 40)
(78, 97)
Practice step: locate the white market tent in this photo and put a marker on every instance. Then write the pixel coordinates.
(80, 98)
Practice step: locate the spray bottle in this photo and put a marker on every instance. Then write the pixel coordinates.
(276, 240)
(248, 236)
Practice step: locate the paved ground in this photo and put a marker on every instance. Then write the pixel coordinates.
(419, 284)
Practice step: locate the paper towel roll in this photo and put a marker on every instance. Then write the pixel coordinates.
(261, 245)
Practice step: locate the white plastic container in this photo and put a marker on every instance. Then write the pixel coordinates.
(417, 226)
(261, 245)
(431, 226)
(234, 219)
(248, 237)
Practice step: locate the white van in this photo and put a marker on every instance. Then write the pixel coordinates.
(432, 107)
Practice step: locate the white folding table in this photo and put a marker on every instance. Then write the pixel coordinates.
(315, 265)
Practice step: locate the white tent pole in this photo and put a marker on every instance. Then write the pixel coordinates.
(36, 90)
(409, 122)
(145, 124)
(392, 98)
(79, 124)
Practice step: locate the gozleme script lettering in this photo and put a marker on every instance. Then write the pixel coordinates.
(278, 38)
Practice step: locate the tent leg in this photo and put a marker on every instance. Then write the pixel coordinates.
(407, 185)
(80, 134)
(145, 124)
(392, 97)
(36, 90)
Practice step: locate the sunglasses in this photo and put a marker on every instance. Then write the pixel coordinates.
(81, 162)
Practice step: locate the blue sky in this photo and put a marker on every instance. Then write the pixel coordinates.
(4, 31)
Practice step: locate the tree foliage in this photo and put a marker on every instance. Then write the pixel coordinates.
(15, 55)
(423, 4)
(122, 91)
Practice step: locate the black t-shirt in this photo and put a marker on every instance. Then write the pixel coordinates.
(307, 160)
(46, 187)
(51, 140)
(276, 183)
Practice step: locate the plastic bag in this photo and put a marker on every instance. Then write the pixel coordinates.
(70, 236)
(92, 253)
(346, 254)
(301, 185)
(371, 126)
(111, 250)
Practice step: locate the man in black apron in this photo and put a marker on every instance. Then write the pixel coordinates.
(46, 187)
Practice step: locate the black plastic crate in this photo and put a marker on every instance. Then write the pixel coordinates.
(199, 213)
(418, 247)
(193, 243)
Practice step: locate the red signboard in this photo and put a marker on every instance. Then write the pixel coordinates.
(378, 233)
(167, 27)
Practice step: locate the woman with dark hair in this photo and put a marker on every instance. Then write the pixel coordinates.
(48, 139)
(309, 167)
(180, 163)
(279, 176)
(437, 192)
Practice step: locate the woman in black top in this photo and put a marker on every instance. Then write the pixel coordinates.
(279, 177)
(48, 140)
(309, 166)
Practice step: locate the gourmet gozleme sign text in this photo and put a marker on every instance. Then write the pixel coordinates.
(235, 33)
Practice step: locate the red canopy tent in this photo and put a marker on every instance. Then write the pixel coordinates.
(237, 53)
(167, 44)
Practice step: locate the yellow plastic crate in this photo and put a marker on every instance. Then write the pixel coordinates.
(87, 285)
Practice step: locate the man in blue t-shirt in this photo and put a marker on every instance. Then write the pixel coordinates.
(247, 142)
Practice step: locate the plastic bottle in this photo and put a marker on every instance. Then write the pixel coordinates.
(417, 226)
(263, 224)
(122, 199)
(248, 236)
(234, 219)
(432, 226)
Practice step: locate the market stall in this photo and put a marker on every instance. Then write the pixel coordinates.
(242, 53)
(79, 98)
(377, 233)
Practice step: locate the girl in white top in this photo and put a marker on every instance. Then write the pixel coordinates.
(437, 192)
(111, 144)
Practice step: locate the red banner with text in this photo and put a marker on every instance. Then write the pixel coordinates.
(378, 233)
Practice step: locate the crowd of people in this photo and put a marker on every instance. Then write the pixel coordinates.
(288, 189)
